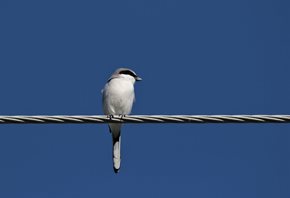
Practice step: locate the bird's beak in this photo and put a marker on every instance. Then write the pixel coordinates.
(138, 78)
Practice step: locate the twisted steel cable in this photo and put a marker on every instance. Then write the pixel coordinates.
(82, 119)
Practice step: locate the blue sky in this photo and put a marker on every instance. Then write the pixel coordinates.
(195, 57)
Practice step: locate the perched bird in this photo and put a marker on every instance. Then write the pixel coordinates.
(118, 98)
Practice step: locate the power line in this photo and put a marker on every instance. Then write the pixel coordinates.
(139, 119)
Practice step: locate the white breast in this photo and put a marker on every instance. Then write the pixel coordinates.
(118, 97)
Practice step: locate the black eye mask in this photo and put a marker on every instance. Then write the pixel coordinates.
(128, 72)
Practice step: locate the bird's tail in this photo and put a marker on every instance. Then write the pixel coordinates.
(116, 153)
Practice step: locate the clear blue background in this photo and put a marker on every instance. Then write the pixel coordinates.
(195, 57)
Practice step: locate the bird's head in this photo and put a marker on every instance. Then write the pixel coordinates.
(126, 74)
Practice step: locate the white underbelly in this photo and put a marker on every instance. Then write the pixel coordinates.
(118, 98)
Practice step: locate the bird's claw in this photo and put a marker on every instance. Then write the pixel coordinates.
(122, 116)
(110, 116)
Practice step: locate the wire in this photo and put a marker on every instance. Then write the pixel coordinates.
(83, 119)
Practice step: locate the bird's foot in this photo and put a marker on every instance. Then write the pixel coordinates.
(122, 116)
(110, 116)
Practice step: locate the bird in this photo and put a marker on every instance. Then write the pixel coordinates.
(118, 96)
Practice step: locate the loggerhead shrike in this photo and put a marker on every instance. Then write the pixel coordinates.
(118, 98)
